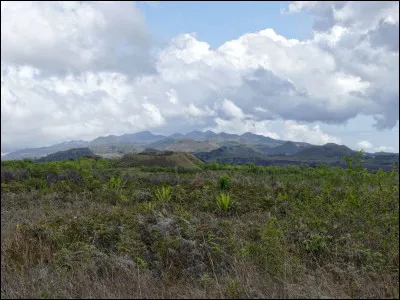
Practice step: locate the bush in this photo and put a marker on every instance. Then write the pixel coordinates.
(224, 182)
(8, 174)
(35, 183)
(115, 183)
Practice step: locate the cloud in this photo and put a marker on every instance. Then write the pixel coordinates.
(363, 39)
(314, 135)
(77, 70)
(240, 126)
(75, 36)
(172, 96)
(384, 149)
(231, 110)
(365, 145)
(151, 3)
(153, 114)
(77, 107)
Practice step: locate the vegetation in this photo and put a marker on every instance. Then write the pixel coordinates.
(206, 147)
(69, 155)
(183, 145)
(225, 203)
(102, 229)
(290, 154)
(165, 159)
(224, 182)
(163, 194)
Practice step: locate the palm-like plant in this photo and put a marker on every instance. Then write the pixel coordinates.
(163, 194)
(115, 183)
(225, 203)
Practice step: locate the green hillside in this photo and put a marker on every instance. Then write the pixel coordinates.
(237, 154)
(71, 154)
(188, 145)
(326, 151)
(115, 149)
(163, 159)
(286, 148)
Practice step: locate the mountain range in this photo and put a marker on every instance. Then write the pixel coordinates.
(213, 147)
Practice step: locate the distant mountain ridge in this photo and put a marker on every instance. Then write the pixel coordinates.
(331, 154)
(43, 151)
(223, 147)
(142, 137)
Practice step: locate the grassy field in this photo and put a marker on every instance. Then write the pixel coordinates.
(91, 229)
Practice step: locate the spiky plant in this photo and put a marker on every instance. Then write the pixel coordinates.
(163, 194)
(115, 183)
(225, 203)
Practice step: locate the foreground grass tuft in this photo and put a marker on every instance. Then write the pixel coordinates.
(163, 194)
(225, 203)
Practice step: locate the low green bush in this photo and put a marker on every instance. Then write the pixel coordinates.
(224, 182)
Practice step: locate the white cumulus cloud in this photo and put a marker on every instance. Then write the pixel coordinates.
(314, 135)
(365, 145)
(77, 70)
(384, 149)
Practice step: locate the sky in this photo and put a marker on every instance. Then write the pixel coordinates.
(309, 71)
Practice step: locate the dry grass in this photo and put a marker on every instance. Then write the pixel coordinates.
(83, 245)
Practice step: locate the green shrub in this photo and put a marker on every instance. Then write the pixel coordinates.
(315, 243)
(35, 183)
(123, 198)
(269, 252)
(115, 183)
(64, 186)
(4, 187)
(224, 182)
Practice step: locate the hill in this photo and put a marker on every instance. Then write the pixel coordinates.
(183, 145)
(251, 138)
(118, 149)
(328, 151)
(161, 159)
(199, 142)
(188, 145)
(142, 137)
(237, 154)
(163, 144)
(43, 151)
(71, 154)
(286, 148)
(331, 154)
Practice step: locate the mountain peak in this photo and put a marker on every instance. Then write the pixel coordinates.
(176, 135)
(333, 145)
(249, 134)
(145, 132)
